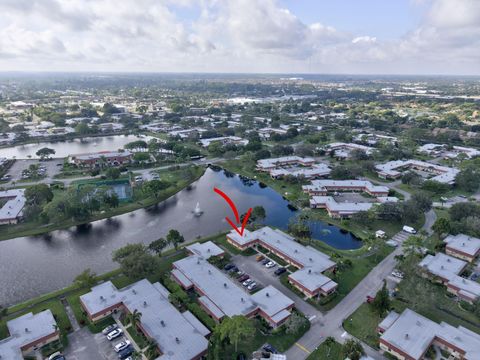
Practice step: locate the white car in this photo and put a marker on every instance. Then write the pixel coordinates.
(121, 345)
(398, 274)
(114, 334)
(252, 286)
(270, 264)
(109, 329)
(247, 282)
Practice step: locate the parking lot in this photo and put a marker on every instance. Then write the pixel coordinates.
(264, 276)
(83, 345)
(52, 167)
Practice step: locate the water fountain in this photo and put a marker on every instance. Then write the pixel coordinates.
(197, 211)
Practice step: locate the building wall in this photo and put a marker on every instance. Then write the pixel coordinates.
(28, 348)
(459, 254)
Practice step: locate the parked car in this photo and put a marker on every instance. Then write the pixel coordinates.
(56, 356)
(243, 278)
(114, 334)
(409, 229)
(398, 274)
(270, 264)
(266, 261)
(247, 282)
(121, 345)
(125, 353)
(252, 286)
(228, 267)
(280, 271)
(233, 269)
(240, 273)
(370, 299)
(269, 348)
(259, 257)
(109, 329)
(6, 177)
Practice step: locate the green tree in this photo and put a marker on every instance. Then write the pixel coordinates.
(412, 245)
(294, 323)
(134, 318)
(234, 329)
(82, 129)
(112, 173)
(158, 245)
(154, 187)
(45, 153)
(381, 304)
(175, 238)
(468, 180)
(38, 194)
(135, 261)
(111, 199)
(86, 279)
(258, 213)
(353, 349)
(441, 226)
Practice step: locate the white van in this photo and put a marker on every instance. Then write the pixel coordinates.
(409, 229)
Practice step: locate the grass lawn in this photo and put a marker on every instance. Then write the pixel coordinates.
(332, 351)
(363, 325)
(137, 337)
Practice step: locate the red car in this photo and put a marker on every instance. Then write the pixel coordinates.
(370, 299)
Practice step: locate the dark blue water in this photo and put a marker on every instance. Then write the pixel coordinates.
(30, 266)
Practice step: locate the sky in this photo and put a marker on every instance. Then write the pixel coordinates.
(242, 36)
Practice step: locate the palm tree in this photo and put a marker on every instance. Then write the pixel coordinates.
(151, 349)
(134, 318)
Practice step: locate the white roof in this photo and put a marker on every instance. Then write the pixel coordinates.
(327, 184)
(224, 296)
(312, 262)
(445, 175)
(280, 161)
(342, 208)
(443, 265)
(14, 206)
(348, 147)
(313, 171)
(98, 155)
(413, 334)
(205, 249)
(160, 319)
(463, 243)
(39, 325)
(224, 139)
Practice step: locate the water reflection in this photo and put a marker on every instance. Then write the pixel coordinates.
(30, 266)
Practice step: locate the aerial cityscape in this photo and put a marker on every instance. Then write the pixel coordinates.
(240, 179)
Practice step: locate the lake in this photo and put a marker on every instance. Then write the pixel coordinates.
(30, 266)
(74, 146)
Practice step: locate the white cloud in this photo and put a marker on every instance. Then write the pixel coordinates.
(227, 35)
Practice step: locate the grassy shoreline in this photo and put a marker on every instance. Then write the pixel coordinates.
(35, 228)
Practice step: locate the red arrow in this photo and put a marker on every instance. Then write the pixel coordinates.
(235, 212)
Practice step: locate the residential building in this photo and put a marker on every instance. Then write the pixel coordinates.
(343, 150)
(408, 336)
(395, 169)
(312, 264)
(323, 187)
(224, 140)
(447, 152)
(12, 211)
(102, 158)
(445, 269)
(462, 246)
(28, 333)
(220, 296)
(267, 132)
(178, 335)
(293, 166)
(373, 139)
(186, 133)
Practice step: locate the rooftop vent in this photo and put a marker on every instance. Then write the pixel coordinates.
(448, 260)
(224, 284)
(268, 295)
(144, 303)
(134, 292)
(162, 323)
(242, 299)
(102, 298)
(406, 336)
(198, 261)
(309, 271)
(208, 250)
(463, 244)
(26, 330)
(177, 340)
(310, 259)
(209, 271)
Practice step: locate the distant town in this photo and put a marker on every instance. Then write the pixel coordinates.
(363, 240)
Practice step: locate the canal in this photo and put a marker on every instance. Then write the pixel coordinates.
(30, 266)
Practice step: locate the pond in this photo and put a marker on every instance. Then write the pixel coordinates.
(74, 146)
(30, 266)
